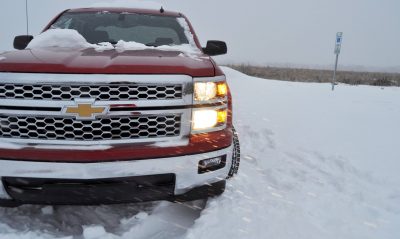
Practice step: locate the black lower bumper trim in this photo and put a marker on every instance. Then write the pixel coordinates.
(90, 192)
(101, 192)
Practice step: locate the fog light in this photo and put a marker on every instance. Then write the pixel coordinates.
(212, 164)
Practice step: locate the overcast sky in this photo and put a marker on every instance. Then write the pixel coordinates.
(293, 32)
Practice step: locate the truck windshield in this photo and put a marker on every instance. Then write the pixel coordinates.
(151, 30)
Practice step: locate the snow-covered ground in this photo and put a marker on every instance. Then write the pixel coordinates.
(316, 164)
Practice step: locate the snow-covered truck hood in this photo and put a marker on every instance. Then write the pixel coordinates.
(93, 61)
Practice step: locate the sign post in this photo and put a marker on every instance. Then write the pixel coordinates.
(338, 46)
(27, 17)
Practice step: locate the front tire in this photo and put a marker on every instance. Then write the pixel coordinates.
(235, 155)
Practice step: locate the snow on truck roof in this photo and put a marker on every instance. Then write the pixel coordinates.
(135, 6)
(126, 9)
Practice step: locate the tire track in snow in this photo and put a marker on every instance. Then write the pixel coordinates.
(145, 220)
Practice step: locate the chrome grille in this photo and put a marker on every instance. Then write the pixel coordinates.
(113, 92)
(113, 128)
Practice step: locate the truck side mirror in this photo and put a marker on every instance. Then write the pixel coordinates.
(215, 48)
(21, 42)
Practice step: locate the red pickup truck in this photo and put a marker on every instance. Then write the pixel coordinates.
(131, 115)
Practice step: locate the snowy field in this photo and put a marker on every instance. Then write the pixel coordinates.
(316, 164)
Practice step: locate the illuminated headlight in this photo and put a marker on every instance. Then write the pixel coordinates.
(206, 91)
(204, 119)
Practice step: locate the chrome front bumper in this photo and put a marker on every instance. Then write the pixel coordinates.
(185, 168)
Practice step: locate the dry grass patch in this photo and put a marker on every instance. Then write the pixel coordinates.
(320, 76)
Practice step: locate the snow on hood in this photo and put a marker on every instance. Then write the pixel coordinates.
(67, 38)
(122, 46)
(2, 58)
(129, 4)
(64, 38)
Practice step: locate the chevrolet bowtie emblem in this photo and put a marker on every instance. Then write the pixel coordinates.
(85, 110)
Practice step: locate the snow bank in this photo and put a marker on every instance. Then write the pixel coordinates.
(129, 4)
(316, 163)
(94, 232)
(47, 210)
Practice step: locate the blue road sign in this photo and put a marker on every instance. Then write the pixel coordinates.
(338, 45)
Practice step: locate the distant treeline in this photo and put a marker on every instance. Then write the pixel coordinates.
(320, 76)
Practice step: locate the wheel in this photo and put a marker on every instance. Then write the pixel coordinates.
(235, 155)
